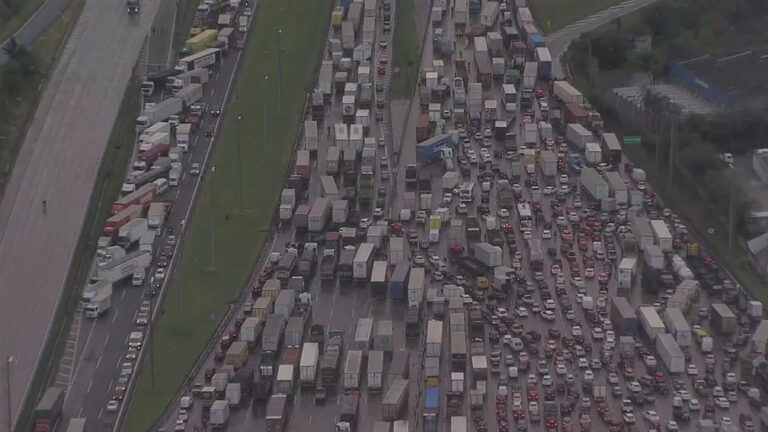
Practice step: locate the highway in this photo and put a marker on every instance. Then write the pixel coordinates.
(558, 41)
(340, 306)
(103, 342)
(36, 25)
(58, 163)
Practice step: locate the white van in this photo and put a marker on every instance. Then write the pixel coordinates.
(243, 24)
(162, 185)
(174, 176)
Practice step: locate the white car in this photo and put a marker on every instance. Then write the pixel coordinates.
(521, 311)
(694, 405)
(548, 315)
(546, 234)
(650, 361)
(560, 369)
(576, 331)
(583, 363)
(549, 190)
(160, 274)
(634, 387)
(378, 212)
(629, 418)
(613, 378)
(546, 380)
(447, 198)
(549, 304)
(502, 313)
(462, 208)
(113, 405)
(722, 402)
(651, 416)
(588, 375)
(692, 369)
(195, 170)
(502, 213)
(597, 333)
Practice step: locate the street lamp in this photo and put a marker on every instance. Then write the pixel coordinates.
(264, 110)
(239, 172)
(8, 362)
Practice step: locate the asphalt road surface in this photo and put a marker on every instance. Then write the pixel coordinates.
(58, 163)
(339, 306)
(36, 25)
(104, 341)
(558, 41)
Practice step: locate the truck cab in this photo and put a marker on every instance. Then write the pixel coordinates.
(138, 278)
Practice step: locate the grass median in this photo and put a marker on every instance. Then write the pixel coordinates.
(406, 50)
(202, 290)
(552, 15)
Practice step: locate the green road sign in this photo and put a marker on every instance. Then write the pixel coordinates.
(633, 139)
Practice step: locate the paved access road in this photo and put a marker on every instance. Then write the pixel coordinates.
(58, 163)
(45, 16)
(558, 41)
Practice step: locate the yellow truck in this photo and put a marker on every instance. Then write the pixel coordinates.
(237, 354)
(200, 41)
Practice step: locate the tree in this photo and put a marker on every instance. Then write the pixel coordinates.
(648, 61)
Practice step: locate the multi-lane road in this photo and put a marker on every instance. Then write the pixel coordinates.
(103, 342)
(58, 163)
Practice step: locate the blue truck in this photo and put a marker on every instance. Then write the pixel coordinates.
(399, 280)
(575, 162)
(431, 408)
(432, 149)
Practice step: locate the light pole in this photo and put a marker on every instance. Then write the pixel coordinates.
(264, 110)
(239, 172)
(212, 221)
(8, 362)
(279, 71)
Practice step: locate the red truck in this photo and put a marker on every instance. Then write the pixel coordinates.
(151, 155)
(113, 224)
(484, 70)
(142, 196)
(574, 113)
(423, 128)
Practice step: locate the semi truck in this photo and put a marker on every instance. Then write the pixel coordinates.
(142, 196)
(48, 409)
(362, 262)
(203, 59)
(352, 367)
(129, 234)
(394, 399)
(133, 7)
(310, 354)
(99, 304)
(123, 267)
(156, 112)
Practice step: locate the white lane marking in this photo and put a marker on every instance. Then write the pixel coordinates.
(90, 384)
(98, 362)
(106, 340)
(117, 312)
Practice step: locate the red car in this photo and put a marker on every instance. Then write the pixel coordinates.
(629, 372)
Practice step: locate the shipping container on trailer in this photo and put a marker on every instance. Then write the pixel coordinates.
(394, 399)
(651, 322)
(662, 235)
(434, 338)
(363, 335)
(623, 316)
(678, 327)
(641, 228)
(611, 148)
(670, 353)
(416, 286)
(379, 279)
(383, 341)
(458, 350)
(353, 365)
(399, 280)
(363, 262)
(375, 371)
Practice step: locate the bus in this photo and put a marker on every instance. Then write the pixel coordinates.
(526, 216)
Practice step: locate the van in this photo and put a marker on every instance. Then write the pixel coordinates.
(136, 339)
(174, 176)
(162, 185)
(243, 24)
(138, 278)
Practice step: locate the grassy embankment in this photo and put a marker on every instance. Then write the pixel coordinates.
(11, 21)
(184, 329)
(552, 15)
(406, 51)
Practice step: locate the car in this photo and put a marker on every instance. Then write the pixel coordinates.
(651, 416)
(383, 58)
(180, 426)
(672, 426)
(546, 234)
(650, 361)
(142, 318)
(131, 354)
(722, 402)
(160, 273)
(694, 405)
(548, 315)
(548, 190)
(576, 331)
(418, 260)
(521, 311)
(597, 333)
(561, 369)
(692, 369)
(589, 272)
(634, 387)
(195, 169)
(583, 363)
(613, 378)
(215, 110)
(629, 418)
(113, 405)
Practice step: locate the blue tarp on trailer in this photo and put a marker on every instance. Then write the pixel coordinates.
(430, 150)
(433, 400)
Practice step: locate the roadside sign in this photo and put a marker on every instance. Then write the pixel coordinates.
(633, 139)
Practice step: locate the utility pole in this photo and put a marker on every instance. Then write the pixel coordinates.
(239, 172)
(279, 71)
(152, 340)
(264, 110)
(212, 221)
(672, 137)
(8, 362)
